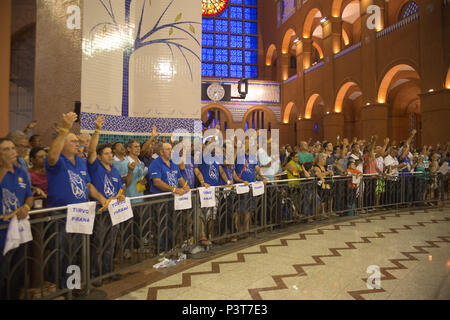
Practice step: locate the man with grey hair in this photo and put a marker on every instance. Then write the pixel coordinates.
(68, 183)
(21, 142)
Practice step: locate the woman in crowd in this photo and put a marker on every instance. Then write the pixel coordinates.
(324, 188)
(38, 174)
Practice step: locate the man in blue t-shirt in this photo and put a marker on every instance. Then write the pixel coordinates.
(15, 194)
(245, 170)
(208, 175)
(68, 183)
(108, 182)
(166, 177)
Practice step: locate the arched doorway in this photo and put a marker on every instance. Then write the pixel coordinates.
(351, 23)
(219, 115)
(349, 102)
(400, 89)
(271, 59)
(314, 113)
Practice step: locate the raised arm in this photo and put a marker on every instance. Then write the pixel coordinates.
(148, 144)
(30, 126)
(92, 149)
(58, 144)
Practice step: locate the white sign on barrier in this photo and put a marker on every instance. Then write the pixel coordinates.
(80, 218)
(241, 188)
(19, 231)
(258, 188)
(207, 197)
(183, 202)
(120, 211)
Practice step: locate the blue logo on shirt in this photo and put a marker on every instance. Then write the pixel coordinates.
(9, 201)
(79, 189)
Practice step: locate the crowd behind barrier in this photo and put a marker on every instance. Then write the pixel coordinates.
(39, 267)
(148, 207)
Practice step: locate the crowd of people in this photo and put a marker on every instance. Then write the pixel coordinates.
(76, 169)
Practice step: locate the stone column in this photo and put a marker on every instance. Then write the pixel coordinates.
(435, 107)
(5, 60)
(369, 53)
(374, 120)
(333, 126)
(58, 65)
(284, 67)
(432, 65)
(305, 129)
(307, 50)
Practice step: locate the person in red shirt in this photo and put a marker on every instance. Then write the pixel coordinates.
(37, 172)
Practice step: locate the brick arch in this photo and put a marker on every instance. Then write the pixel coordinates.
(287, 40)
(270, 116)
(310, 105)
(271, 54)
(345, 37)
(336, 8)
(309, 21)
(287, 112)
(340, 96)
(226, 113)
(318, 48)
(447, 79)
(386, 81)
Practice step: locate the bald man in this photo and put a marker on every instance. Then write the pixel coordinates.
(68, 183)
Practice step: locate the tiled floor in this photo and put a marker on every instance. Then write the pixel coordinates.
(411, 249)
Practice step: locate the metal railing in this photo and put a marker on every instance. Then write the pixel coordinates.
(38, 269)
(314, 67)
(398, 25)
(347, 50)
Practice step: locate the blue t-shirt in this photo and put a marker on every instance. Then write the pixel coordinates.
(210, 173)
(249, 173)
(228, 169)
(159, 170)
(108, 183)
(14, 190)
(406, 160)
(67, 183)
(188, 174)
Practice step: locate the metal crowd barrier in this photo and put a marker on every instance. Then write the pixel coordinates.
(38, 269)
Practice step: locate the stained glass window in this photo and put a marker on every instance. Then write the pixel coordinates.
(213, 7)
(230, 41)
(408, 9)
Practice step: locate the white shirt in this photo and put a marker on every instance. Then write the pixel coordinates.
(264, 159)
(389, 161)
(380, 163)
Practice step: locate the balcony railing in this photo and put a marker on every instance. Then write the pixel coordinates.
(314, 67)
(294, 77)
(347, 50)
(398, 25)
